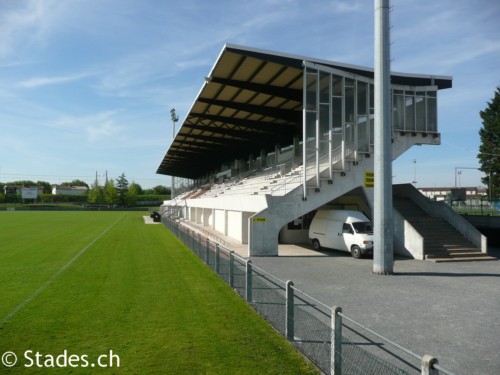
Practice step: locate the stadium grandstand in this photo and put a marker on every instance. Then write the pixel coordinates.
(271, 137)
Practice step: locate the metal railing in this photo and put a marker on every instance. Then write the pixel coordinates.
(324, 334)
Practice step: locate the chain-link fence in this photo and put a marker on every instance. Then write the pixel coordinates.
(329, 338)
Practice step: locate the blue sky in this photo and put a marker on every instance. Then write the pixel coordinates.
(87, 86)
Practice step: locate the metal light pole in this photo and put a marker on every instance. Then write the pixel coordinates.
(458, 172)
(175, 118)
(382, 206)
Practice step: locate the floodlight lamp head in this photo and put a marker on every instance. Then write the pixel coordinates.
(174, 116)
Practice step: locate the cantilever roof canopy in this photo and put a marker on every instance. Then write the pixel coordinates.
(251, 100)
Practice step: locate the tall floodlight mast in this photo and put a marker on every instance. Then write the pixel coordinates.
(382, 206)
(175, 118)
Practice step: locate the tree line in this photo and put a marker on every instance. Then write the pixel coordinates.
(112, 192)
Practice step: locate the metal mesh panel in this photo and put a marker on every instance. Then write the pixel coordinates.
(311, 335)
(356, 360)
(378, 348)
(268, 298)
(224, 266)
(211, 256)
(239, 277)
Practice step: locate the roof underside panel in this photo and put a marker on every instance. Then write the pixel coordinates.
(251, 101)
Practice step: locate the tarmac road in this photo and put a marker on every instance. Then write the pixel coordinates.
(448, 310)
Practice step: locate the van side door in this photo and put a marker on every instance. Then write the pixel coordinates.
(347, 237)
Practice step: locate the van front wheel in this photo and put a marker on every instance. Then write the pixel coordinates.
(356, 252)
(316, 245)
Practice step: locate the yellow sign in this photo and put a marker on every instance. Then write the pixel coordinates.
(259, 219)
(369, 179)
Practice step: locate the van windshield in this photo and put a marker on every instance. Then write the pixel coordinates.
(363, 227)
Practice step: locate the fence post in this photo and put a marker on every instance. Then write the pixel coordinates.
(248, 283)
(428, 363)
(207, 249)
(289, 317)
(336, 345)
(231, 268)
(217, 251)
(198, 247)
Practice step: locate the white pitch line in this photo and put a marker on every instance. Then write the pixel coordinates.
(54, 276)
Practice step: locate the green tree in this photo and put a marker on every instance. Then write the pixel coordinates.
(489, 150)
(161, 190)
(96, 193)
(47, 186)
(135, 188)
(130, 198)
(110, 193)
(23, 182)
(122, 187)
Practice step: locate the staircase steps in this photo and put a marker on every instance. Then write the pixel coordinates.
(442, 242)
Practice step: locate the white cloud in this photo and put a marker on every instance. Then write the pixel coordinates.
(45, 81)
(30, 21)
(470, 49)
(97, 127)
(346, 6)
(101, 130)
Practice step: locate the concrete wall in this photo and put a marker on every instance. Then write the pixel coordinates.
(207, 216)
(220, 221)
(227, 215)
(489, 226)
(244, 225)
(483, 221)
(266, 224)
(445, 212)
(293, 236)
(407, 241)
(234, 228)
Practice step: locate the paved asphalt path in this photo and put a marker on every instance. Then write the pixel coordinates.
(448, 310)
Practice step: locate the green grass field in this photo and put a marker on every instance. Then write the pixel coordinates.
(87, 283)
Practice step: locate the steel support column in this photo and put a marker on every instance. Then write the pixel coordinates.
(383, 222)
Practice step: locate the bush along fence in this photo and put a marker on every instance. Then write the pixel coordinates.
(333, 341)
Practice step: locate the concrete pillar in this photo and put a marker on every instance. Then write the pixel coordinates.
(263, 155)
(263, 236)
(296, 146)
(383, 222)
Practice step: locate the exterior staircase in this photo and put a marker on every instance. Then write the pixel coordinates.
(442, 242)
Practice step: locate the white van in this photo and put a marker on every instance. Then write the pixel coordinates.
(342, 230)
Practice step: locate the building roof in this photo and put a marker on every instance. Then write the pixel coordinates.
(448, 189)
(252, 100)
(66, 187)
